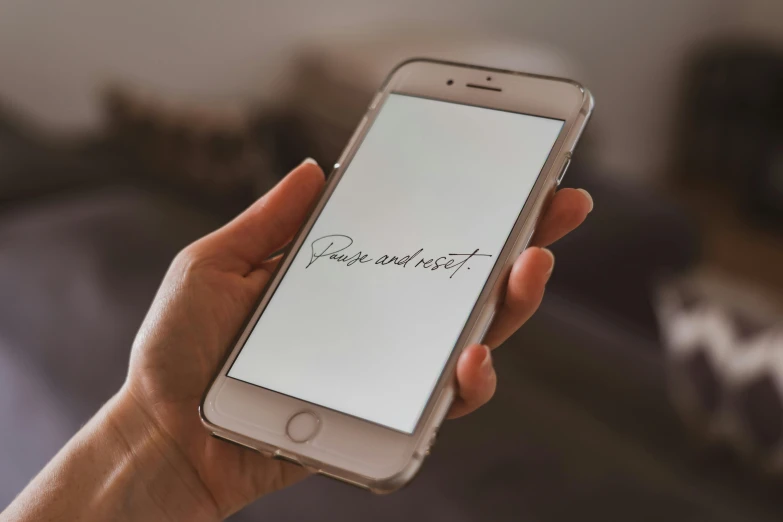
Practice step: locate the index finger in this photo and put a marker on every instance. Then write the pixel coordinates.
(568, 208)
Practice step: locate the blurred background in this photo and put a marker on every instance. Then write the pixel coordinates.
(650, 383)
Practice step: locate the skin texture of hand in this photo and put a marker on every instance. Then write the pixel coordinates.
(152, 426)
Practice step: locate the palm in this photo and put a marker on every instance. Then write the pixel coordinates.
(176, 354)
(196, 320)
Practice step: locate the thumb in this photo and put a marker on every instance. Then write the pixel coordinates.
(270, 222)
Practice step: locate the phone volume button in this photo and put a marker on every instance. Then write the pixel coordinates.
(564, 168)
(486, 327)
(375, 100)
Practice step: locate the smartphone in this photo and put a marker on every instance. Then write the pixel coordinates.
(346, 366)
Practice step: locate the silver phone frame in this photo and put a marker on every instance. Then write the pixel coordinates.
(557, 98)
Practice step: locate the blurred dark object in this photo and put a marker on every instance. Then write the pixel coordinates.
(31, 169)
(724, 341)
(632, 238)
(206, 153)
(731, 124)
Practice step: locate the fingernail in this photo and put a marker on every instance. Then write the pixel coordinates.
(589, 198)
(486, 362)
(309, 161)
(552, 258)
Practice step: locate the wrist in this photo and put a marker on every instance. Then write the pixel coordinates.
(119, 466)
(152, 471)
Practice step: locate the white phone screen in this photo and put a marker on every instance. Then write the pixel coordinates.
(374, 301)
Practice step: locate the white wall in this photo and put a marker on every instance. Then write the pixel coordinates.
(55, 55)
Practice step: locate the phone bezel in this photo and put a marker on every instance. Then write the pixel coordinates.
(356, 450)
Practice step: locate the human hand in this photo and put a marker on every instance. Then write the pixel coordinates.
(209, 291)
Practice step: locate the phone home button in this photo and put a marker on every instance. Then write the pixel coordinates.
(302, 426)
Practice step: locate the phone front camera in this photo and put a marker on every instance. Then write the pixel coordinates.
(450, 82)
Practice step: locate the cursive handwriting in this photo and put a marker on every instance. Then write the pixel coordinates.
(333, 248)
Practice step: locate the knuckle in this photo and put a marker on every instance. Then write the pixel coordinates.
(187, 259)
(186, 256)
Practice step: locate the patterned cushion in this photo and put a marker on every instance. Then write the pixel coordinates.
(725, 357)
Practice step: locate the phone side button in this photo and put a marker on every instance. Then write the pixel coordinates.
(564, 168)
(487, 326)
(375, 100)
